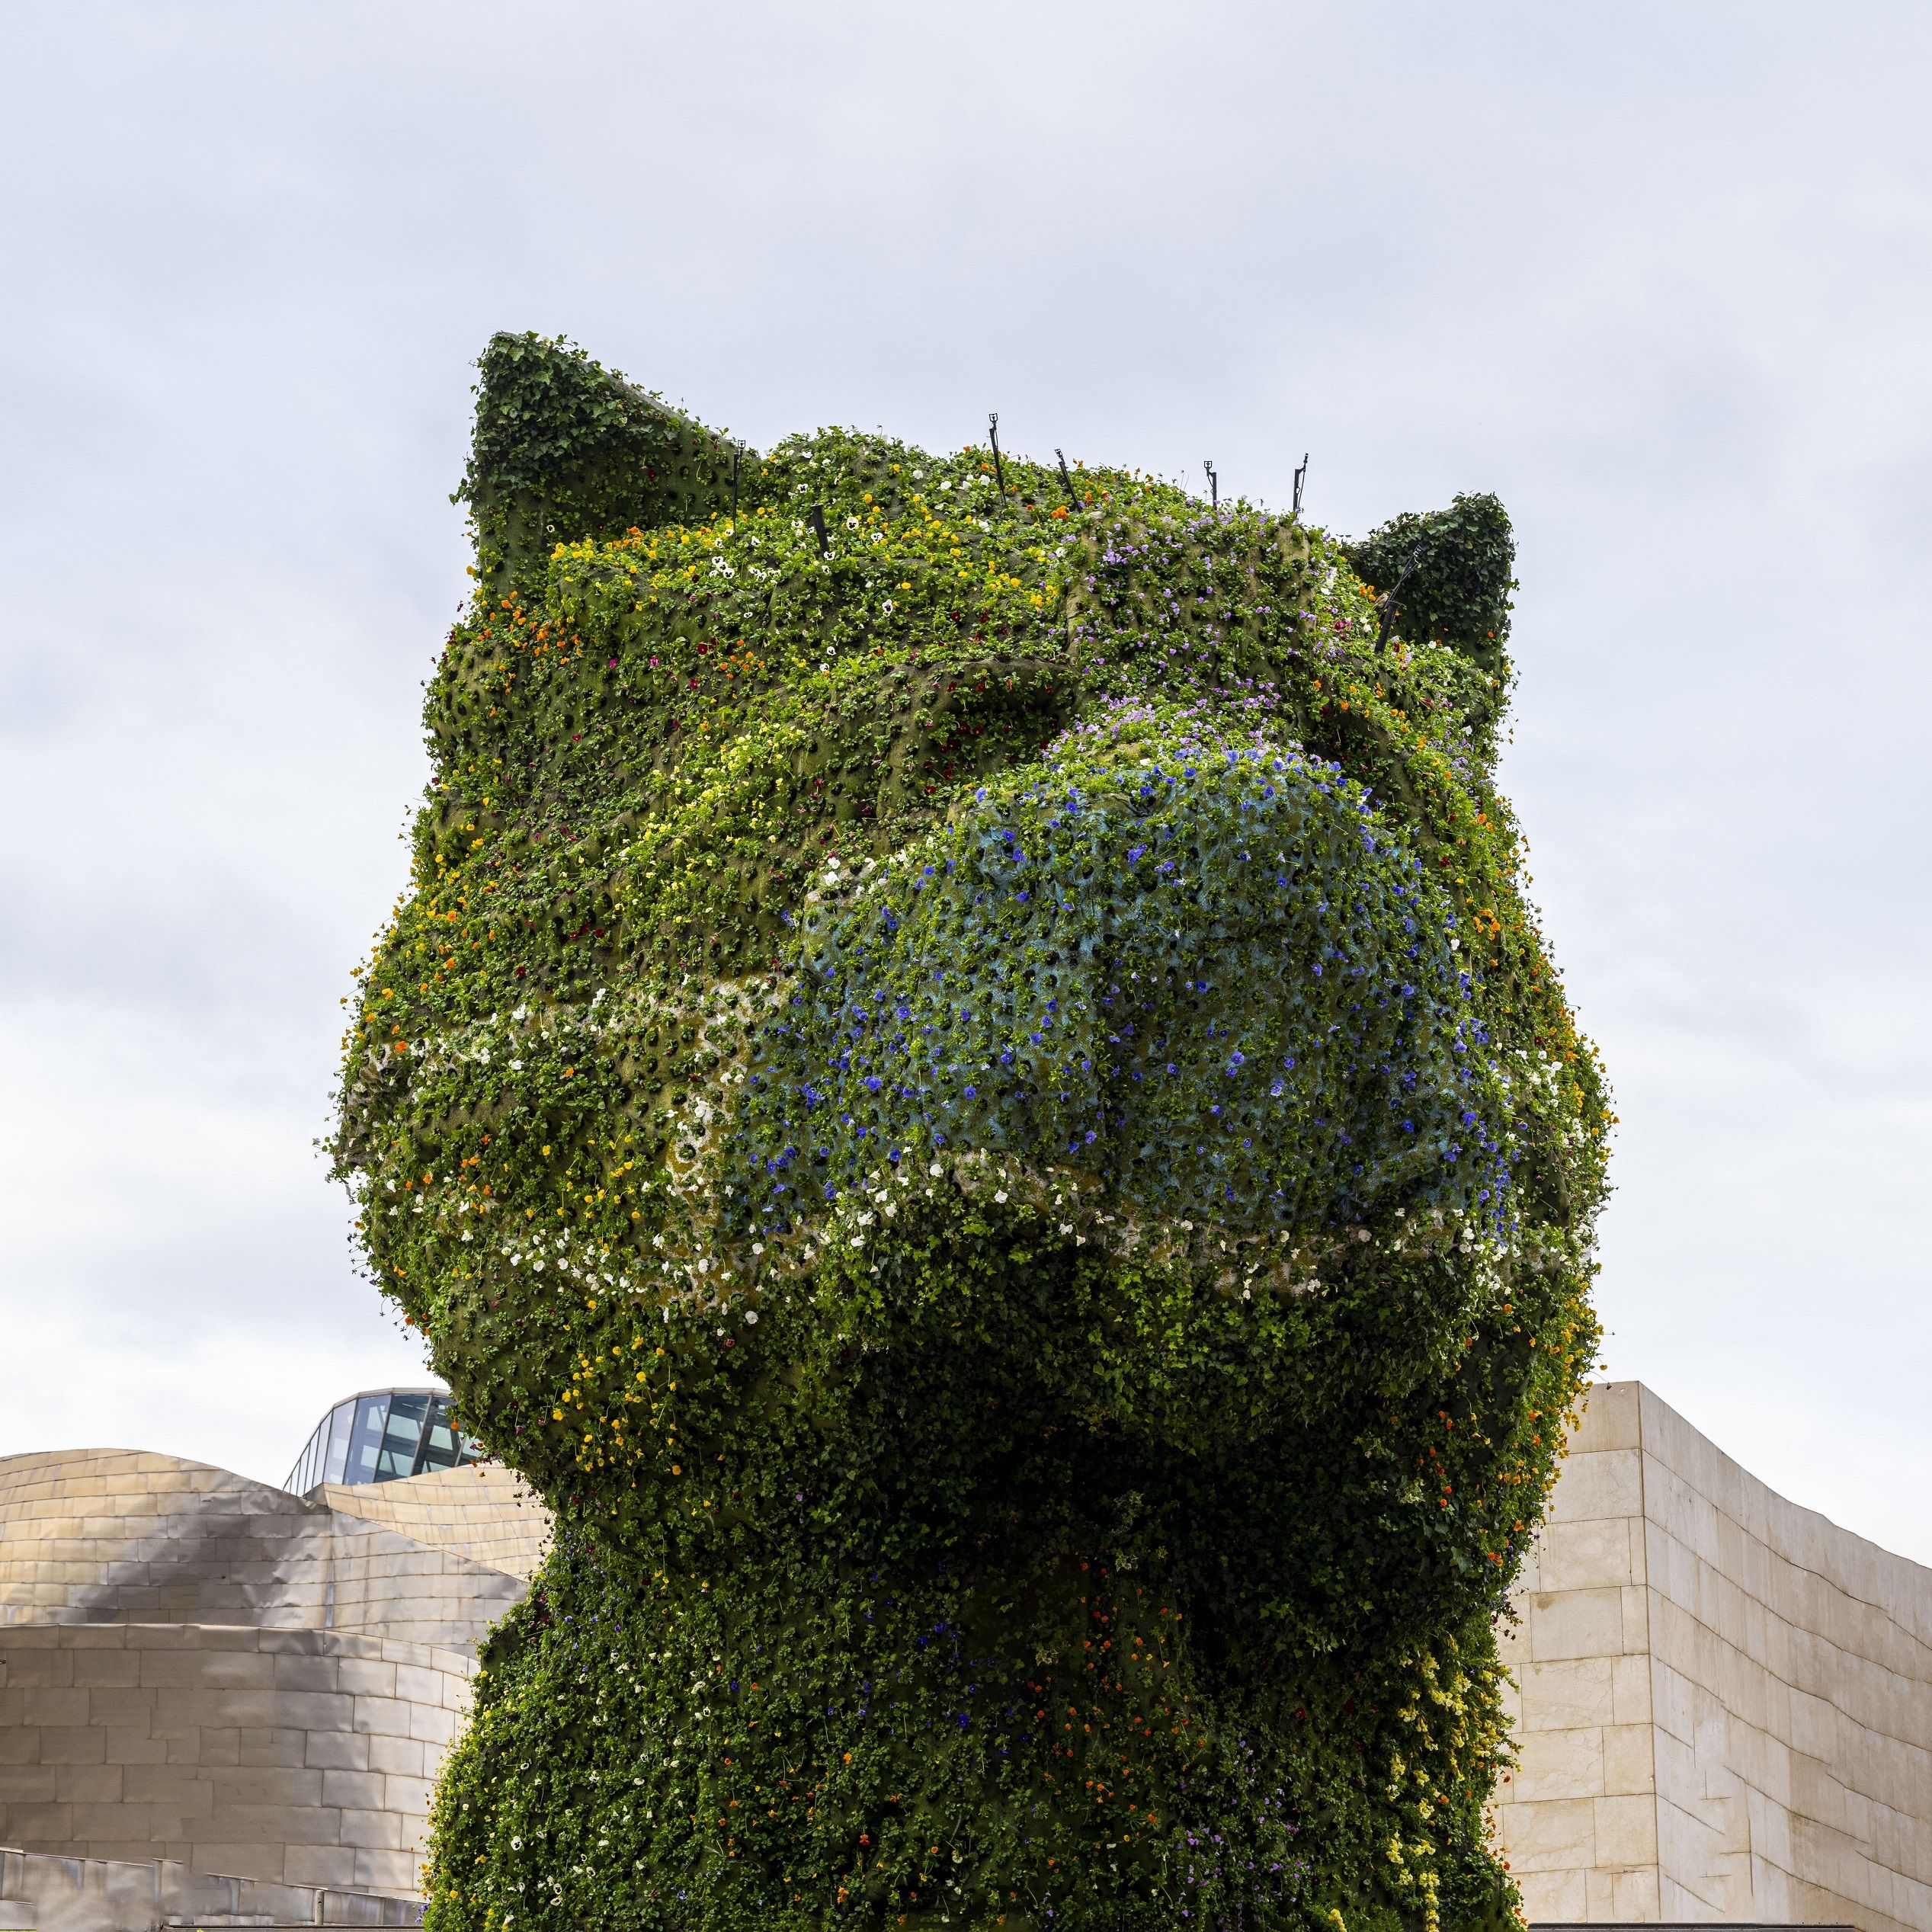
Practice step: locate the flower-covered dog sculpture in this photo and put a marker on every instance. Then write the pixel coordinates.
(965, 1084)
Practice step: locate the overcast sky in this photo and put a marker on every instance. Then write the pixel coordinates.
(1659, 275)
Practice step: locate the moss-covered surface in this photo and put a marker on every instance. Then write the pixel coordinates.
(966, 1085)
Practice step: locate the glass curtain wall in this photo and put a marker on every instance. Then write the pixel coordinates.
(381, 1436)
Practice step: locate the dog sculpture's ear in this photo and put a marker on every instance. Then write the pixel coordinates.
(1447, 575)
(566, 448)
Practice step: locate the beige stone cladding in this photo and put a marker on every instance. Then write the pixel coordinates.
(1725, 1701)
(291, 1756)
(197, 1668)
(116, 1536)
(482, 1511)
(40, 1894)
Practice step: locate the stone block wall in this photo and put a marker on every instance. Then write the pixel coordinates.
(482, 1512)
(116, 1536)
(296, 1756)
(1725, 1701)
(197, 1668)
(40, 1894)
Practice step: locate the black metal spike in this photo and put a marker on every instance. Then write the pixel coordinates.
(735, 456)
(1073, 495)
(1301, 477)
(999, 468)
(816, 516)
(1387, 600)
(1213, 482)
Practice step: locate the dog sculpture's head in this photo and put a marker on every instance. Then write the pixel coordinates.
(954, 1004)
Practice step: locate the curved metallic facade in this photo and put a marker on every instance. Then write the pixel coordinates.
(199, 1668)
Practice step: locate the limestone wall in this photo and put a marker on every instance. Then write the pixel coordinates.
(482, 1511)
(1725, 1701)
(197, 1668)
(296, 1756)
(116, 1536)
(40, 1894)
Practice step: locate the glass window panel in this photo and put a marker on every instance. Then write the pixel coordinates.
(403, 1437)
(439, 1444)
(366, 1443)
(298, 1476)
(335, 1457)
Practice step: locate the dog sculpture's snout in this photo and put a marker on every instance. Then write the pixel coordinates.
(1200, 972)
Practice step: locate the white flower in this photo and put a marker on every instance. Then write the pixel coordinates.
(515, 1066)
(752, 1316)
(999, 1194)
(935, 1170)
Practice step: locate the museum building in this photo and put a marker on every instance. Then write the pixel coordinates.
(221, 1702)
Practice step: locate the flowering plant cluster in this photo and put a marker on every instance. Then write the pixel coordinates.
(966, 1083)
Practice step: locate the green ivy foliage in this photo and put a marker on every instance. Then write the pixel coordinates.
(966, 1083)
